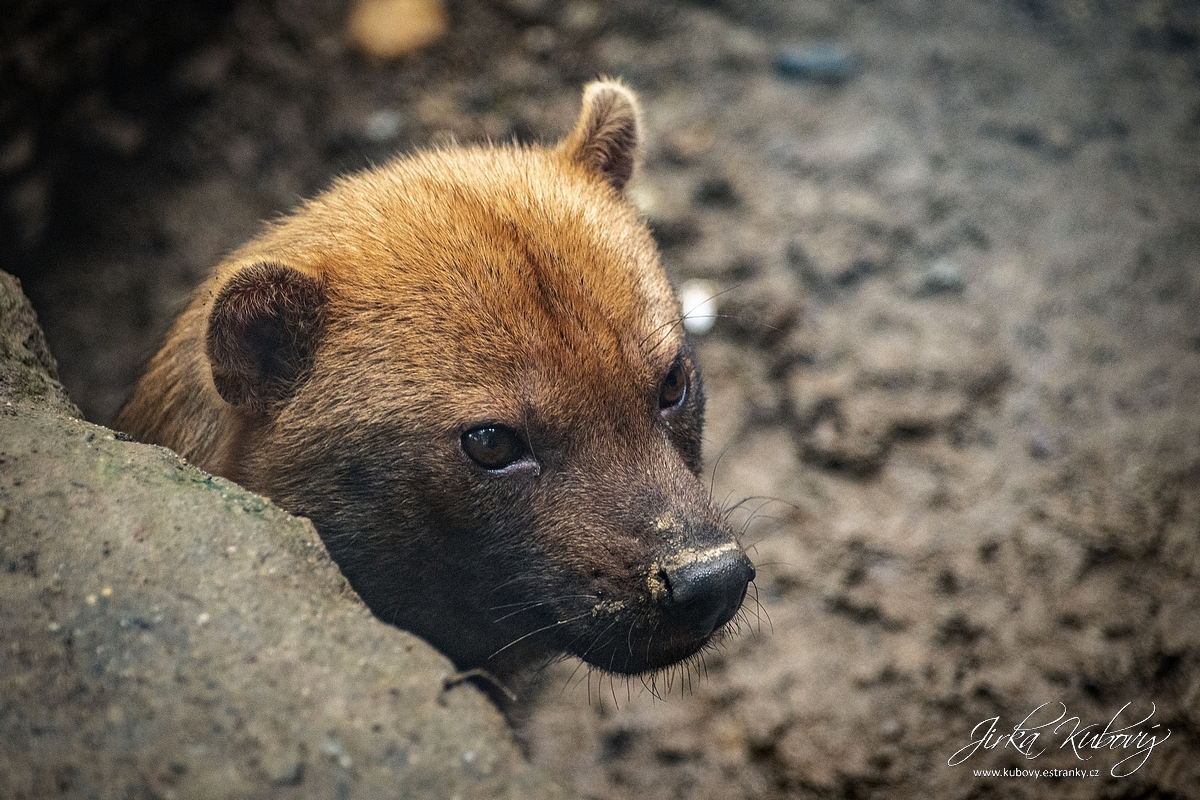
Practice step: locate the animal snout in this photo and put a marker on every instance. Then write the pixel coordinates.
(704, 589)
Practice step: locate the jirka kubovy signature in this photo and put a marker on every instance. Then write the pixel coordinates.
(1026, 735)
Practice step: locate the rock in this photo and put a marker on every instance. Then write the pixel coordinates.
(539, 40)
(715, 193)
(683, 147)
(28, 372)
(669, 216)
(18, 152)
(941, 277)
(832, 268)
(383, 125)
(581, 16)
(816, 62)
(1047, 446)
(169, 634)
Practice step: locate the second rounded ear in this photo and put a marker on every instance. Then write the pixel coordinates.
(607, 135)
(262, 332)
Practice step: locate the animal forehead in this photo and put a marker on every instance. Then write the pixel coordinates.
(522, 247)
(561, 282)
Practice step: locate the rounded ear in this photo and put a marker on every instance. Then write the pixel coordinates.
(608, 132)
(262, 333)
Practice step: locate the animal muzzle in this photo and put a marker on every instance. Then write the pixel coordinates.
(701, 590)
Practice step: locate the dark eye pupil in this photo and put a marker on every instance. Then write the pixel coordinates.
(674, 387)
(492, 446)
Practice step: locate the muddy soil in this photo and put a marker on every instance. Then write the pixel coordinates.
(954, 390)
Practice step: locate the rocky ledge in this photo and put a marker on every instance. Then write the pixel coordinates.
(166, 633)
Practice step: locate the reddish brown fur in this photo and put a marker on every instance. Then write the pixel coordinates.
(335, 362)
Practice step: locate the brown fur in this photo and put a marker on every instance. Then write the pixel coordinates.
(335, 363)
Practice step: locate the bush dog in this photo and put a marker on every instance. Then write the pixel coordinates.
(467, 368)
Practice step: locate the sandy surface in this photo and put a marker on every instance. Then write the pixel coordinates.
(957, 371)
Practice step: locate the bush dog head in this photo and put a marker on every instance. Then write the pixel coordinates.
(467, 368)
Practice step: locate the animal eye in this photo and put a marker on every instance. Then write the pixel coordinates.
(492, 446)
(674, 386)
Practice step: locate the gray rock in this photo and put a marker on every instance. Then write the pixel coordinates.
(28, 372)
(828, 63)
(941, 277)
(168, 634)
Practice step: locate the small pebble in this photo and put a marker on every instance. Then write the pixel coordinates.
(942, 277)
(816, 62)
(17, 152)
(580, 16)
(715, 193)
(540, 40)
(287, 772)
(117, 132)
(699, 300)
(383, 125)
(646, 198)
(1045, 446)
(682, 147)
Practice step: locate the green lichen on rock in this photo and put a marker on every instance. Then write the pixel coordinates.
(169, 634)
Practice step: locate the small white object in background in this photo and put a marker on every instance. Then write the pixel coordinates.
(699, 300)
(383, 125)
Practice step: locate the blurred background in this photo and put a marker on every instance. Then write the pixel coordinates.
(955, 373)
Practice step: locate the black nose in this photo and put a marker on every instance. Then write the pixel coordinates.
(705, 592)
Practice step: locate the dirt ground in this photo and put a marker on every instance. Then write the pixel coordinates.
(956, 378)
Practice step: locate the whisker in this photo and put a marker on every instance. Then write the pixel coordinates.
(649, 687)
(678, 322)
(768, 499)
(650, 638)
(529, 605)
(567, 646)
(690, 314)
(672, 322)
(599, 636)
(571, 677)
(712, 478)
(725, 502)
(507, 583)
(549, 661)
(760, 611)
(537, 631)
